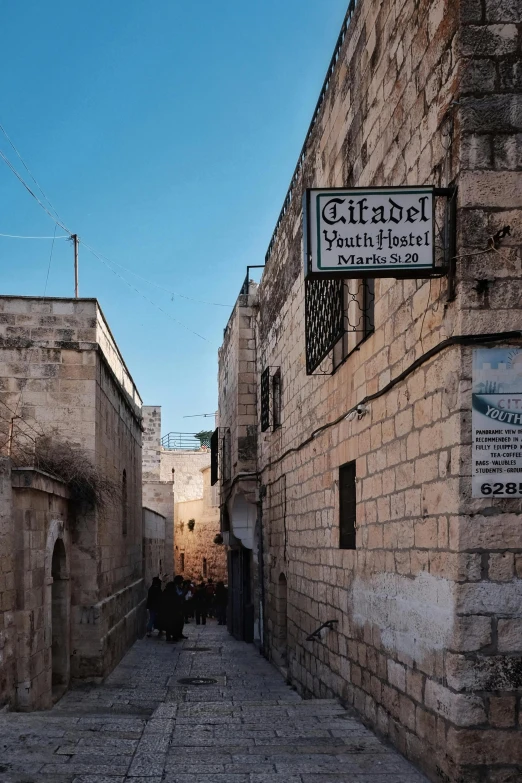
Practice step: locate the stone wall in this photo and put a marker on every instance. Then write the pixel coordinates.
(7, 589)
(35, 611)
(428, 606)
(197, 545)
(187, 467)
(158, 486)
(154, 554)
(61, 375)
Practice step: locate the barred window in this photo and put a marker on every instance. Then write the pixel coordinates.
(265, 399)
(226, 456)
(276, 399)
(347, 506)
(214, 457)
(358, 320)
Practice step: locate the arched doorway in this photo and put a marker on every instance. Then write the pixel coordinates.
(59, 621)
(281, 622)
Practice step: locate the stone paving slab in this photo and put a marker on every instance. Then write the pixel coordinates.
(142, 726)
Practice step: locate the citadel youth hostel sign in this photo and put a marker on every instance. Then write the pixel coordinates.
(369, 232)
(496, 422)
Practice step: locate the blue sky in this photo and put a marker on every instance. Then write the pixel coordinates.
(165, 135)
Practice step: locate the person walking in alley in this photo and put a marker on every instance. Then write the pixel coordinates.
(179, 608)
(221, 603)
(153, 605)
(201, 604)
(167, 611)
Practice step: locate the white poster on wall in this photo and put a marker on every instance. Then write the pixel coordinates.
(497, 422)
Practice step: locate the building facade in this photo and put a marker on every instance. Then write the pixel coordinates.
(64, 383)
(176, 484)
(347, 493)
(199, 551)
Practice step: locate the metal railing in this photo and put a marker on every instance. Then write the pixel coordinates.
(318, 107)
(184, 441)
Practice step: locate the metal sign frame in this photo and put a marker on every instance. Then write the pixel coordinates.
(361, 270)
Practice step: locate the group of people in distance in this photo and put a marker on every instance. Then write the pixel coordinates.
(170, 608)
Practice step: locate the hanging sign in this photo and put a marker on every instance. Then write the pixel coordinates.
(497, 423)
(370, 232)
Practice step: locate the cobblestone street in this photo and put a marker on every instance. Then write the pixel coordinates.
(145, 725)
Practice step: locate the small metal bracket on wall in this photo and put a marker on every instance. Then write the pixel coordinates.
(317, 633)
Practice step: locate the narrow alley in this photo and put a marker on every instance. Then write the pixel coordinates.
(238, 722)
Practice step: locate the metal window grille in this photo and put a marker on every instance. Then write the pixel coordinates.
(347, 506)
(358, 317)
(265, 399)
(324, 319)
(276, 399)
(226, 455)
(214, 457)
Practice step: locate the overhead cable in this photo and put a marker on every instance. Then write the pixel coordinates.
(114, 272)
(17, 236)
(162, 288)
(26, 186)
(28, 170)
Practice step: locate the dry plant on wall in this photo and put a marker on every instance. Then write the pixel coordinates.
(73, 465)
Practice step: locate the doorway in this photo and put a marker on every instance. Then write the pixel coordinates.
(59, 621)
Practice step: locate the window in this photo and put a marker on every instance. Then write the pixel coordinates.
(358, 303)
(227, 455)
(214, 457)
(182, 562)
(265, 399)
(124, 504)
(276, 399)
(205, 566)
(347, 506)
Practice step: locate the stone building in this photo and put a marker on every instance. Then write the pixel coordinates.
(364, 517)
(71, 585)
(198, 555)
(158, 495)
(176, 484)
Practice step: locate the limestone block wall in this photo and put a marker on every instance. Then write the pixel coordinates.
(187, 466)
(197, 546)
(151, 442)
(154, 554)
(7, 589)
(428, 609)
(62, 374)
(158, 486)
(237, 386)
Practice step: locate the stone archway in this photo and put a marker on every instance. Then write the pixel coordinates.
(60, 631)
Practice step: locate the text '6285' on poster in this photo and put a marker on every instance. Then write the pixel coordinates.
(496, 452)
(369, 232)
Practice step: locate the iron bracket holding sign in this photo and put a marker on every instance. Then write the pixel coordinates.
(378, 232)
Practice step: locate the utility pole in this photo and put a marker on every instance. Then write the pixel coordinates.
(75, 240)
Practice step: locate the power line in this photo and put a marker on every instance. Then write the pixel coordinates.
(17, 236)
(26, 186)
(49, 267)
(28, 170)
(162, 288)
(106, 263)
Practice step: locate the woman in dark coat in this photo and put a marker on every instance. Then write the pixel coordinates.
(167, 611)
(153, 604)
